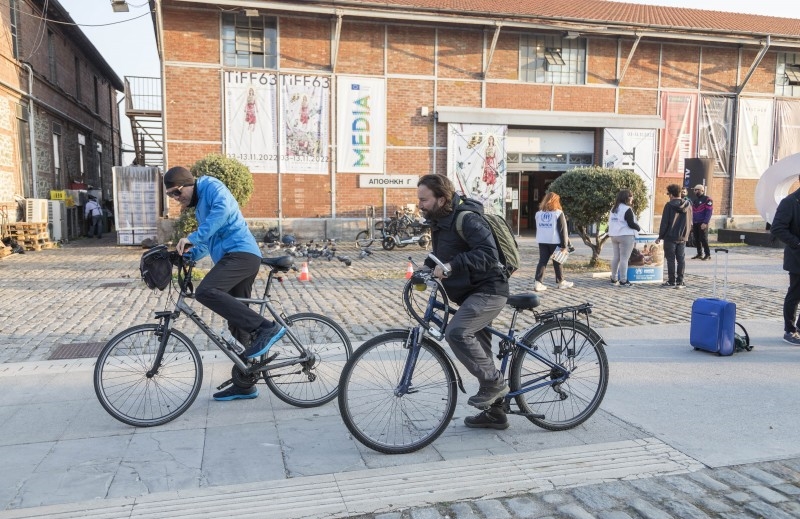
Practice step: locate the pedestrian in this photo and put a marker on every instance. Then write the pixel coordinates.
(473, 279)
(94, 215)
(786, 227)
(623, 229)
(676, 221)
(702, 209)
(551, 235)
(223, 234)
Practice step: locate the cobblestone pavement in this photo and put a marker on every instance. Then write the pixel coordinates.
(89, 290)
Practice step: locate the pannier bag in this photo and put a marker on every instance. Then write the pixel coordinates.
(156, 267)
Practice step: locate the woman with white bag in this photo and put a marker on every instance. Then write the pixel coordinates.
(552, 237)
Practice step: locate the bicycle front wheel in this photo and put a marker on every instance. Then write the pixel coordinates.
(316, 381)
(559, 406)
(129, 394)
(376, 414)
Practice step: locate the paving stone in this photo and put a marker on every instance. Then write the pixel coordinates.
(714, 505)
(789, 490)
(649, 510)
(463, 511)
(652, 487)
(709, 482)
(767, 494)
(575, 511)
(767, 511)
(613, 514)
(425, 513)
(683, 484)
(762, 476)
(620, 490)
(524, 507)
(684, 510)
(594, 497)
(492, 509)
(391, 515)
(733, 477)
(739, 497)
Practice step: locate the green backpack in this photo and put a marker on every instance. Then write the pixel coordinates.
(503, 239)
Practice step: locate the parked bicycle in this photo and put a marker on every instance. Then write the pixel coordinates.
(150, 374)
(397, 393)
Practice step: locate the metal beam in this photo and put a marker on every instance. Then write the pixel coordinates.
(491, 49)
(336, 35)
(756, 62)
(630, 57)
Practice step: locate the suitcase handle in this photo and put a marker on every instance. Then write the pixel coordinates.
(719, 249)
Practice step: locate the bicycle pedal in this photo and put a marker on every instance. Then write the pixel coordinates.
(225, 384)
(257, 366)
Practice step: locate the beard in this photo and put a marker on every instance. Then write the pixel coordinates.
(436, 213)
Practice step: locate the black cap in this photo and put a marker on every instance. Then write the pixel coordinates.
(178, 176)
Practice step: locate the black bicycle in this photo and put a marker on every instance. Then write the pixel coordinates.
(398, 391)
(150, 374)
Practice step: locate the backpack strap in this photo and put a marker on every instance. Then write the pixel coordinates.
(460, 222)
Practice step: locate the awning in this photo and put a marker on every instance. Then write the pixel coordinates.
(537, 118)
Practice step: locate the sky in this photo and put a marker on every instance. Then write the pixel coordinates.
(127, 40)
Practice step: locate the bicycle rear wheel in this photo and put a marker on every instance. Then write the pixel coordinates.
(124, 388)
(562, 405)
(316, 381)
(383, 420)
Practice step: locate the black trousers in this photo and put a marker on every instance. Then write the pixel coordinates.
(701, 239)
(545, 251)
(790, 303)
(674, 258)
(232, 277)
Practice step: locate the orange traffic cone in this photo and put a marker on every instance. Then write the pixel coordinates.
(304, 274)
(409, 271)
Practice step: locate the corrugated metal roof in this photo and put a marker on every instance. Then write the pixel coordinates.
(599, 12)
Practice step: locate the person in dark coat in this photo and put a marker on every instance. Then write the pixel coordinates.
(676, 223)
(702, 209)
(786, 227)
(474, 279)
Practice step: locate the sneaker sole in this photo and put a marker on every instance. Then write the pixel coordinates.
(486, 405)
(498, 426)
(237, 397)
(278, 336)
(787, 341)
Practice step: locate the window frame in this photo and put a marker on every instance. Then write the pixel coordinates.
(552, 58)
(14, 27)
(785, 86)
(246, 44)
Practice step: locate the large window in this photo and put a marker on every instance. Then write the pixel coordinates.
(552, 59)
(787, 75)
(249, 41)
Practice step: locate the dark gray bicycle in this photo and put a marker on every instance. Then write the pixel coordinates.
(150, 374)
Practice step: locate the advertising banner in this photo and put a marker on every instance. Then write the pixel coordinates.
(787, 139)
(677, 142)
(713, 137)
(476, 162)
(635, 150)
(250, 132)
(646, 264)
(305, 118)
(361, 116)
(754, 139)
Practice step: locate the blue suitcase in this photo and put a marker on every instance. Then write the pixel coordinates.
(714, 320)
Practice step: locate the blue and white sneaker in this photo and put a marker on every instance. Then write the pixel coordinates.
(236, 393)
(264, 340)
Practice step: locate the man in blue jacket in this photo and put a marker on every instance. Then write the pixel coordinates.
(223, 234)
(786, 227)
(473, 279)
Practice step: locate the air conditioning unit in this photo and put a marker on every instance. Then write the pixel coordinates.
(36, 210)
(57, 220)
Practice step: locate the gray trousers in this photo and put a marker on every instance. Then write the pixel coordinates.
(471, 344)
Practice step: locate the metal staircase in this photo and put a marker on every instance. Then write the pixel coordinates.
(143, 109)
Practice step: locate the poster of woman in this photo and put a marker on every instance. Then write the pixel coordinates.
(476, 163)
(304, 136)
(250, 133)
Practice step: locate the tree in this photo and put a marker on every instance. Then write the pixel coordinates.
(587, 196)
(236, 177)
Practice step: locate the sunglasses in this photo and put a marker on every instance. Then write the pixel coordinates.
(174, 193)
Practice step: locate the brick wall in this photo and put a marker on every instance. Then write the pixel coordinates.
(426, 66)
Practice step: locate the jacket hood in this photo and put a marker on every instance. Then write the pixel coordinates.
(468, 204)
(680, 204)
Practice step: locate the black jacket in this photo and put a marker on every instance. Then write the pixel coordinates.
(474, 262)
(786, 227)
(676, 221)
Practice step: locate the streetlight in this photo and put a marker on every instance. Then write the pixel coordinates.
(119, 6)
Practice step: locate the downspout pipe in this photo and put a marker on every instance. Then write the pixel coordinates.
(32, 130)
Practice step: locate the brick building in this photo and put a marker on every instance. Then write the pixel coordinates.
(59, 119)
(317, 98)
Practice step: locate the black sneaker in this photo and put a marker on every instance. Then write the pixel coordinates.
(486, 395)
(667, 284)
(625, 284)
(699, 256)
(236, 393)
(490, 419)
(264, 340)
(790, 337)
(706, 257)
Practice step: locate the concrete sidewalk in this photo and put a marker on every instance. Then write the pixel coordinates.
(668, 409)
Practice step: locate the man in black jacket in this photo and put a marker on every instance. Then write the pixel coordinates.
(676, 223)
(786, 227)
(473, 278)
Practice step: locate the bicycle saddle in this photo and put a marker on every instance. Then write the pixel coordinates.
(523, 301)
(281, 264)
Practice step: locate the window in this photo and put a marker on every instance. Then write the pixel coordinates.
(552, 59)
(249, 41)
(14, 22)
(787, 74)
(57, 155)
(81, 154)
(51, 56)
(96, 97)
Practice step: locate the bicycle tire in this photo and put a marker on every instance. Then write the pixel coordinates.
(315, 382)
(387, 243)
(573, 401)
(129, 395)
(380, 419)
(363, 235)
